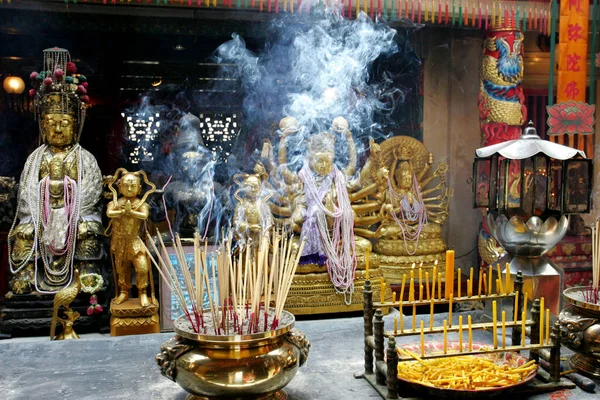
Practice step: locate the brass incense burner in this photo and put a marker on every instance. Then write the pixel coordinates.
(580, 330)
(256, 366)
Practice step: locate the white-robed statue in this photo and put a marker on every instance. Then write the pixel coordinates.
(58, 221)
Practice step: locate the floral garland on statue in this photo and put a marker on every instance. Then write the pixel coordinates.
(341, 262)
(94, 307)
(414, 212)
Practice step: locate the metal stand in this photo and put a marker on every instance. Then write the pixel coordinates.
(382, 374)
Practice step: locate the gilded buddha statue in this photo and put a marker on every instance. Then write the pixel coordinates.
(315, 203)
(58, 224)
(414, 204)
(252, 215)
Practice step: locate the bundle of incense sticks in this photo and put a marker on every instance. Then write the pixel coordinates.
(258, 275)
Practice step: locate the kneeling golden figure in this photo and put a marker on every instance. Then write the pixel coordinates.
(127, 216)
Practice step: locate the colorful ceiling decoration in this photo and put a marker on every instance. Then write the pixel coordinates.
(535, 15)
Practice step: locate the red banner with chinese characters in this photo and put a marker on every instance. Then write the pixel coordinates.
(572, 64)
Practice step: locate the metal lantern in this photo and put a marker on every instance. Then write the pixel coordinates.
(529, 186)
(531, 176)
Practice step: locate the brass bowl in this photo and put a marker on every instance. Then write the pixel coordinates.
(255, 366)
(580, 330)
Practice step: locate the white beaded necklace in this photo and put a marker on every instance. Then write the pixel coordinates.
(341, 262)
(409, 214)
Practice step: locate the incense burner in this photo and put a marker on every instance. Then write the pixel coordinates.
(254, 366)
(580, 330)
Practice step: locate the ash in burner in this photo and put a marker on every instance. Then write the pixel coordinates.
(183, 324)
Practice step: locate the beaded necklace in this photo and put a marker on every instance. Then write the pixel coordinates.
(410, 214)
(340, 247)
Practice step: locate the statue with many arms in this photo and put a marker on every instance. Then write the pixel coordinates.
(58, 223)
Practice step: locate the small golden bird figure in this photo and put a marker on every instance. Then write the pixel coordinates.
(64, 298)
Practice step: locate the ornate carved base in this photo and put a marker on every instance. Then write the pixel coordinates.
(393, 267)
(315, 294)
(130, 318)
(280, 395)
(588, 365)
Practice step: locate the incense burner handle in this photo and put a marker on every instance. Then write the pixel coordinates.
(298, 339)
(170, 351)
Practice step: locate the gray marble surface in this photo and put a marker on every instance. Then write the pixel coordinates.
(103, 367)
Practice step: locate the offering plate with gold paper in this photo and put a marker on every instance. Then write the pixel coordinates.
(461, 376)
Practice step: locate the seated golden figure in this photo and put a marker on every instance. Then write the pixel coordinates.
(58, 225)
(314, 202)
(414, 204)
(252, 215)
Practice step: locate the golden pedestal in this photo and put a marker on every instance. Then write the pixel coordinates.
(315, 294)
(130, 318)
(395, 259)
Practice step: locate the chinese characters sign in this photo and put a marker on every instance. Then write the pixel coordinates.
(572, 50)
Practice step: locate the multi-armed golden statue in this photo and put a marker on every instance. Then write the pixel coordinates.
(127, 217)
(393, 209)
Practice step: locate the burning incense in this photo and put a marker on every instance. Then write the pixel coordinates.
(243, 288)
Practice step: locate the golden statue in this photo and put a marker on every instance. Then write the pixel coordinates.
(127, 217)
(58, 225)
(314, 202)
(413, 205)
(252, 215)
(64, 298)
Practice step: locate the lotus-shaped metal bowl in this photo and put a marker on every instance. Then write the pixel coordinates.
(533, 238)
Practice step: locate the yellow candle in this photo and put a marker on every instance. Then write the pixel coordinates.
(421, 292)
(395, 325)
(422, 340)
(401, 319)
(547, 326)
(460, 333)
(402, 287)
(445, 337)
(394, 296)
(498, 286)
(494, 323)
(470, 284)
(523, 316)
(542, 326)
(367, 256)
(420, 275)
(427, 285)
(400, 304)
(450, 310)
(431, 315)
(501, 287)
(507, 278)
(470, 333)
(479, 287)
(525, 298)
(414, 318)
(382, 294)
(490, 273)
(433, 282)
(485, 288)
(503, 329)
(411, 291)
(516, 306)
(440, 285)
(449, 273)
(459, 282)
